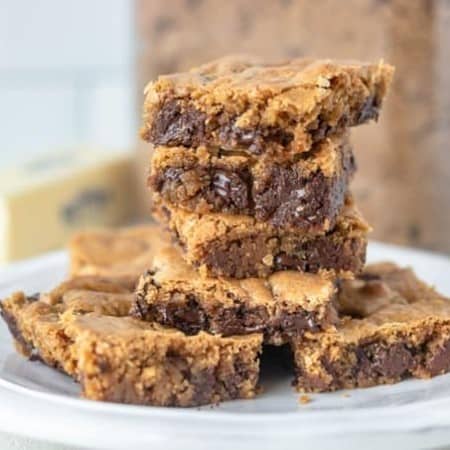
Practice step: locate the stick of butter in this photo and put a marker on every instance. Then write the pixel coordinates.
(45, 200)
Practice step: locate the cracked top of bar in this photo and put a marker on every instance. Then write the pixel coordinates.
(282, 306)
(82, 329)
(243, 102)
(305, 192)
(123, 253)
(393, 326)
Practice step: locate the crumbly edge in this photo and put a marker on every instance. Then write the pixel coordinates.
(158, 372)
(43, 341)
(240, 247)
(263, 254)
(420, 350)
(306, 195)
(191, 311)
(340, 256)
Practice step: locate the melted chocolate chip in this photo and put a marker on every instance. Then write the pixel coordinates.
(389, 361)
(439, 362)
(177, 124)
(185, 313)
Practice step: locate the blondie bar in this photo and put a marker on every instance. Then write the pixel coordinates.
(81, 328)
(238, 102)
(124, 252)
(307, 192)
(395, 327)
(281, 306)
(241, 247)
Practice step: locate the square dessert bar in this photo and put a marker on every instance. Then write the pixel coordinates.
(281, 306)
(394, 327)
(306, 192)
(124, 252)
(81, 328)
(240, 102)
(241, 247)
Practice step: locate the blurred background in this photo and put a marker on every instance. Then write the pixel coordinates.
(71, 82)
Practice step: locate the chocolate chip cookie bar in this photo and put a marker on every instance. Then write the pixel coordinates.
(241, 247)
(307, 192)
(281, 306)
(81, 328)
(239, 102)
(124, 252)
(394, 327)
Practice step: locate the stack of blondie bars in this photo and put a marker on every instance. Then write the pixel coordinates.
(261, 245)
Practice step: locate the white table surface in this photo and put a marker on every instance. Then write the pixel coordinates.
(11, 442)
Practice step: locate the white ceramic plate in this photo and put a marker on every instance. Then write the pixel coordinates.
(38, 402)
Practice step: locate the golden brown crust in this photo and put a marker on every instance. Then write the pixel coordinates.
(239, 101)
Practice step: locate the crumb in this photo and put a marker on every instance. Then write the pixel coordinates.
(346, 395)
(304, 399)
(268, 260)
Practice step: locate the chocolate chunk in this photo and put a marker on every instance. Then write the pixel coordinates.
(204, 383)
(296, 324)
(289, 198)
(394, 361)
(254, 139)
(439, 362)
(33, 297)
(237, 377)
(188, 317)
(176, 124)
(239, 320)
(232, 188)
(320, 129)
(369, 110)
(390, 361)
